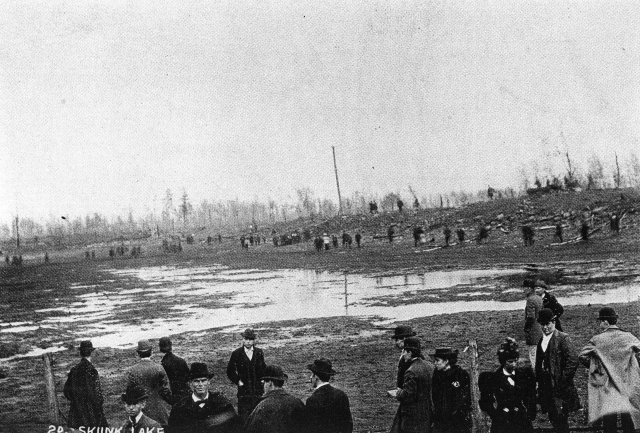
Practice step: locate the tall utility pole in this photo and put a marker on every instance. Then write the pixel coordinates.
(335, 167)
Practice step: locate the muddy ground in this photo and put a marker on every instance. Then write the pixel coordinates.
(362, 353)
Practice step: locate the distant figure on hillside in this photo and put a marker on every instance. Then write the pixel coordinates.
(112, 252)
(400, 204)
(584, 230)
(93, 255)
(358, 238)
(346, 239)
(46, 258)
(447, 234)
(527, 234)
(242, 242)
(460, 233)
(327, 241)
(416, 204)
(87, 256)
(318, 243)
(417, 233)
(219, 238)
(390, 233)
(334, 241)
(614, 223)
(490, 192)
(558, 234)
(209, 239)
(483, 233)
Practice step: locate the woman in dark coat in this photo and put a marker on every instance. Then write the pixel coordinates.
(508, 395)
(451, 394)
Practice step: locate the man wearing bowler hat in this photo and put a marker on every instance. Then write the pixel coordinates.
(278, 411)
(83, 390)
(135, 399)
(154, 380)
(203, 411)
(245, 368)
(614, 375)
(416, 406)
(556, 363)
(176, 368)
(399, 334)
(328, 407)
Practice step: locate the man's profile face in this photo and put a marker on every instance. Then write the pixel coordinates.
(200, 386)
(548, 328)
(399, 343)
(314, 380)
(440, 363)
(248, 343)
(135, 408)
(603, 324)
(406, 354)
(539, 290)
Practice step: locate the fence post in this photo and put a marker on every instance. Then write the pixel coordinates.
(50, 384)
(479, 426)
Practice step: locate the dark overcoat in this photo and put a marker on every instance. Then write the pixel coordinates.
(178, 374)
(217, 415)
(145, 423)
(416, 407)
(249, 371)
(329, 411)
(563, 362)
(511, 407)
(451, 400)
(154, 380)
(83, 390)
(278, 412)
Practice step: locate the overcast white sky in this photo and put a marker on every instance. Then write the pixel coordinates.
(106, 104)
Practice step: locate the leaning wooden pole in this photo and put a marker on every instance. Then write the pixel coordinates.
(479, 425)
(335, 168)
(50, 385)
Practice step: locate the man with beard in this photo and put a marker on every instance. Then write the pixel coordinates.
(245, 368)
(203, 411)
(508, 395)
(416, 407)
(556, 363)
(451, 394)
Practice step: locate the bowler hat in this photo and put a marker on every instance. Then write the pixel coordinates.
(274, 372)
(445, 353)
(86, 345)
(607, 313)
(249, 334)
(403, 331)
(134, 394)
(540, 283)
(164, 343)
(412, 343)
(322, 365)
(546, 315)
(144, 346)
(508, 350)
(199, 370)
(528, 282)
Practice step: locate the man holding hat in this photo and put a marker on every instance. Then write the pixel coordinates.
(176, 368)
(508, 395)
(328, 407)
(451, 394)
(556, 363)
(278, 411)
(154, 380)
(614, 374)
(83, 390)
(532, 329)
(416, 407)
(203, 411)
(135, 399)
(245, 368)
(400, 333)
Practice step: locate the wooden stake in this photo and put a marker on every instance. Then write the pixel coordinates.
(335, 167)
(50, 385)
(479, 426)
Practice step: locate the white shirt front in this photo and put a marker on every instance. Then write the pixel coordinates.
(249, 353)
(545, 341)
(510, 377)
(200, 401)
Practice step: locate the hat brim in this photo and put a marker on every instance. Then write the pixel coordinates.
(399, 336)
(126, 400)
(285, 377)
(313, 368)
(201, 376)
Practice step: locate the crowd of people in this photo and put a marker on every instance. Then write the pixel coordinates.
(434, 392)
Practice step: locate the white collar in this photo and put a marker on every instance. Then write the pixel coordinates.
(322, 384)
(508, 374)
(137, 418)
(198, 400)
(248, 350)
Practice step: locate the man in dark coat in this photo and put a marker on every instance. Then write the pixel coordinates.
(556, 363)
(278, 411)
(399, 334)
(245, 368)
(508, 395)
(328, 407)
(532, 329)
(416, 407)
(451, 394)
(549, 301)
(358, 238)
(176, 368)
(83, 390)
(135, 399)
(203, 411)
